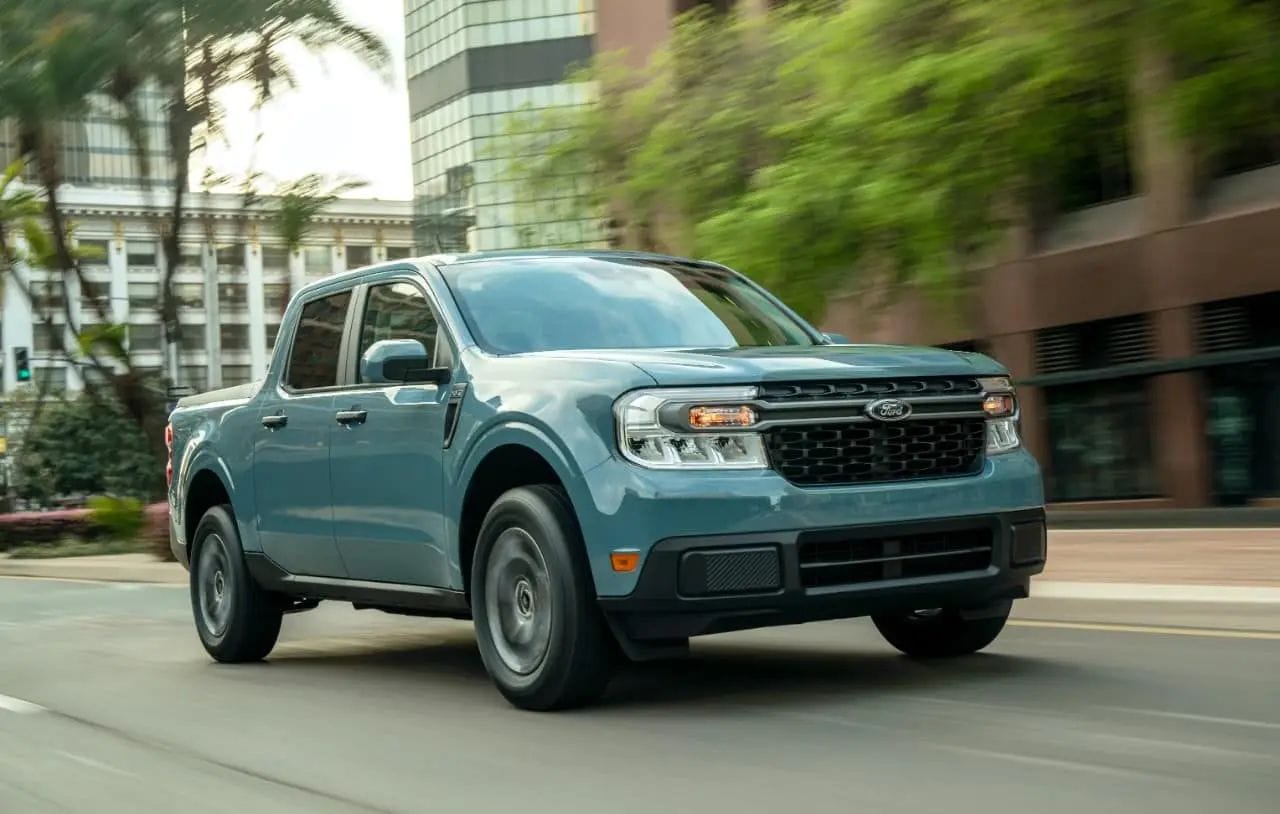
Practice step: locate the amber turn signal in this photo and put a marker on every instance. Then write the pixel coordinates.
(710, 417)
(999, 405)
(624, 562)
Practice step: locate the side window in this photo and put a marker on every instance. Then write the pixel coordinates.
(313, 360)
(398, 311)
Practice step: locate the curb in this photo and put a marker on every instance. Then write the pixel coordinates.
(160, 573)
(1146, 592)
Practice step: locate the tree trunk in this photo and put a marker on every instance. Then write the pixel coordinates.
(171, 242)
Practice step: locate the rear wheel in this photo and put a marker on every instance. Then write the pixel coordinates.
(236, 619)
(940, 632)
(540, 632)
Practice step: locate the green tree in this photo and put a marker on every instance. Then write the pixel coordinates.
(57, 55)
(298, 203)
(86, 446)
(891, 143)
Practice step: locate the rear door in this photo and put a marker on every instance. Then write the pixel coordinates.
(387, 472)
(291, 454)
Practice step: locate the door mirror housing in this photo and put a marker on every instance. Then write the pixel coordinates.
(835, 339)
(400, 361)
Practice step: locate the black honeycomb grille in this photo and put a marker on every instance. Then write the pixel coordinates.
(870, 389)
(866, 452)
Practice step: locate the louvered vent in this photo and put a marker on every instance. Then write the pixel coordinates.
(1128, 340)
(1224, 326)
(1058, 350)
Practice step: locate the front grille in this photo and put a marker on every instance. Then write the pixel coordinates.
(869, 389)
(830, 454)
(830, 558)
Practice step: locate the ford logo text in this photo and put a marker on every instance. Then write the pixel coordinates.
(888, 410)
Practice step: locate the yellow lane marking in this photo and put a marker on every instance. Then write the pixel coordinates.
(1167, 631)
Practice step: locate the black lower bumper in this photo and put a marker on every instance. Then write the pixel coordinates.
(692, 586)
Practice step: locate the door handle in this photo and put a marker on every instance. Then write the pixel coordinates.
(274, 422)
(349, 418)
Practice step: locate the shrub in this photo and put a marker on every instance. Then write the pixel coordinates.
(155, 530)
(121, 517)
(27, 528)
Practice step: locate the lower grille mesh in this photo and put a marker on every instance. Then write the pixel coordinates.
(830, 558)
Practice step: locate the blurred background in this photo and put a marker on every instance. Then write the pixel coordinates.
(1086, 190)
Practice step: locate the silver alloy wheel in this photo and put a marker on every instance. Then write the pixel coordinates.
(213, 590)
(517, 599)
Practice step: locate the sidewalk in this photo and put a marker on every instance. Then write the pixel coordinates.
(1242, 558)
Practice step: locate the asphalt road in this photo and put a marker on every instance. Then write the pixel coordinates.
(108, 704)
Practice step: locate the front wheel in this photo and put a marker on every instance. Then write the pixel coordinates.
(540, 632)
(939, 632)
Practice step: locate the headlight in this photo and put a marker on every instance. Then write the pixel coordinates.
(693, 428)
(1001, 407)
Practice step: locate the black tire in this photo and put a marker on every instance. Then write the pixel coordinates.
(530, 576)
(940, 633)
(245, 628)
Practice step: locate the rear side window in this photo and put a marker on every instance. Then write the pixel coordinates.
(313, 362)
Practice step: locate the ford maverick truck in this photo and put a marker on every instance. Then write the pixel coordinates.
(596, 456)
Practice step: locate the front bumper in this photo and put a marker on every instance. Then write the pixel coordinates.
(661, 607)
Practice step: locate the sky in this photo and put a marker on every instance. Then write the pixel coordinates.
(342, 120)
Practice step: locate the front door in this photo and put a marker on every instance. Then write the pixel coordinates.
(387, 475)
(291, 453)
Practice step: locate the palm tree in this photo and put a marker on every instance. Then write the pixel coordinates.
(298, 204)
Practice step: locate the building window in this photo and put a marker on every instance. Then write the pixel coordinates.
(318, 260)
(275, 297)
(189, 295)
(145, 337)
(144, 295)
(196, 377)
(50, 379)
(141, 254)
(1100, 441)
(231, 255)
(275, 257)
(44, 337)
(358, 256)
(234, 337)
(313, 362)
(233, 296)
(236, 374)
(192, 257)
(94, 252)
(273, 333)
(94, 293)
(48, 296)
(399, 252)
(192, 338)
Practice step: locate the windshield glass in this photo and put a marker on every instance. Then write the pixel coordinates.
(579, 303)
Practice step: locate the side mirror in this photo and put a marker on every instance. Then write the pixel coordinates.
(835, 339)
(400, 361)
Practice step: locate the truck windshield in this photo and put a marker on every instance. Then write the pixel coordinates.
(586, 303)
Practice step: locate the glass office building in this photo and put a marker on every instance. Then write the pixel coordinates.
(473, 65)
(96, 151)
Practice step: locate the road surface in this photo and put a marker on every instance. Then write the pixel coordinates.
(108, 704)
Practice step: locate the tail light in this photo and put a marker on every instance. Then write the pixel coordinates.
(168, 445)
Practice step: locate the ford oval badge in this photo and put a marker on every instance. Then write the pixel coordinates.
(888, 410)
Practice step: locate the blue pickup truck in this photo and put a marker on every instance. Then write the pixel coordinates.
(596, 456)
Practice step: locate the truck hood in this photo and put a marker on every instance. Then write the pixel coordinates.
(751, 365)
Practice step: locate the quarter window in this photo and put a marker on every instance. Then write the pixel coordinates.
(313, 360)
(398, 311)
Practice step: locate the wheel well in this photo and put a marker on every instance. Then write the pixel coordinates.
(205, 492)
(502, 469)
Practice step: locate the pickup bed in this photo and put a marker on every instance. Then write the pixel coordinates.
(596, 456)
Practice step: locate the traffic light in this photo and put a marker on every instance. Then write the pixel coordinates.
(21, 364)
